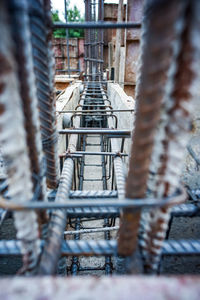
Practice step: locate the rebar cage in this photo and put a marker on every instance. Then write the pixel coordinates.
(62, 213)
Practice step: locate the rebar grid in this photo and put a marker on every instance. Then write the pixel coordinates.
(94, 117)
(94, 41)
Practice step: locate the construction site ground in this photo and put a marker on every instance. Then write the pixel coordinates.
(182, 228)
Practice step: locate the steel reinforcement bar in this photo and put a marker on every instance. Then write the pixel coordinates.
(103, 247)
(21, 35)
(97, 25)
(173, 133)
(52, 247)
(160, 24)
(14, 146)
(40, 27)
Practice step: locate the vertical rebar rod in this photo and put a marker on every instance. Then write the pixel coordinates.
(86, 41)
(22, 38)
(118, 40)
(41, 35)
(172, 136)
(67, 39)
(160, 24)
(89, 41)
(106, 220)
(94, 41)
(50, 146)
(14, 145)
(75, 260)
(57, 225)
(100, 39)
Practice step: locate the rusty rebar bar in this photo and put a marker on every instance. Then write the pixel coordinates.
(56, 227)
(52, 248)
(21, 35)
(160, 30)
(14, 146)
(40, 26)
(172, 136)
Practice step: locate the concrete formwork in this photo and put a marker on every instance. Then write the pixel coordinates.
(132, 45)
(76, 53)
(67, 100)
(110, 15)
(120, 100)
(129, 46)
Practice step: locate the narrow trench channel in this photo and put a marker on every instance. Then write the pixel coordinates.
(95, 173)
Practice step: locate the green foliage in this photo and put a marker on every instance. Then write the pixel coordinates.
(58, 33)
(73, 15)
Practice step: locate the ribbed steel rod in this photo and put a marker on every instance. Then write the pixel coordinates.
(96, 25)
(94, 111)
(95, 202)
(95, 194)
(182, 98)
(13, 135)
(21, 35)
(95, 153)
(103, 247)
(118, 165)
(112, 132)
(40, 25)
(52, 248)
(160, 30)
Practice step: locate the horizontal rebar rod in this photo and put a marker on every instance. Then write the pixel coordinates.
(82, 231)
(104, 247)
(94, 114)
(93, 44)
(94, 111)
(112, 132)
(106, 202)
(96, 25)
(66, 70)
(187, 210)
(91, 98)
(94, 83)
(93, 105)
(96, 87)
(95, 93)
(95, 153)
(93, 194)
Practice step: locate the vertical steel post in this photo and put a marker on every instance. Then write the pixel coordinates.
(67, 39)
(118, 40)
(86, 41)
